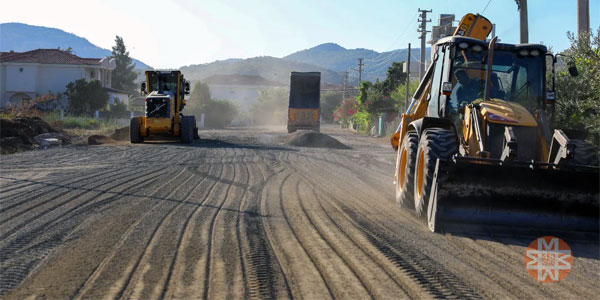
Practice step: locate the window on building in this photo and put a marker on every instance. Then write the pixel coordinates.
(92, 74)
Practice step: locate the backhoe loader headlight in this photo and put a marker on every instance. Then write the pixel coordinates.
(524, 52)
(477, 48)
(534, 52)
(463, 45)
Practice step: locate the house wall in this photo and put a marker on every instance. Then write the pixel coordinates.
(21, 78)
(2, 81)
(38, 79)
(122, 97)
(55, 78)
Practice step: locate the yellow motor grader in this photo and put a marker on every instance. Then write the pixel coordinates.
(165, 92)
(475, 150)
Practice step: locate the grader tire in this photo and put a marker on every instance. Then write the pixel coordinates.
(134, 131)
(187, 129)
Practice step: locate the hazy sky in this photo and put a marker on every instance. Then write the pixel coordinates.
(174, 33)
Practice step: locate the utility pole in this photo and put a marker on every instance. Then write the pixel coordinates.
(345, 85)
(522, 5)
(583, 17)
(408, 77)
(360, 70)
(423, 30)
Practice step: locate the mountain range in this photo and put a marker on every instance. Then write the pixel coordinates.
(331, 59)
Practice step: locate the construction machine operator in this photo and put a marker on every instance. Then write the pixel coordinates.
(465, 91)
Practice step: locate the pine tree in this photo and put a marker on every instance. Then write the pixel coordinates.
(123, 76)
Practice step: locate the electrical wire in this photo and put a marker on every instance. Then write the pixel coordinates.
(486, 6)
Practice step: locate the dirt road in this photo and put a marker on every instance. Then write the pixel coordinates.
(240, 215)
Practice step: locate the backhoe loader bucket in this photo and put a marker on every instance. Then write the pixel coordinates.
(487, 195)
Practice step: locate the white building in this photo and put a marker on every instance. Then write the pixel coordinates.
(26, 75)
(240, 89)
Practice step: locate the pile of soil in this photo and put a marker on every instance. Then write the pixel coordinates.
(314, 139)
(19, 134)
(120, 134)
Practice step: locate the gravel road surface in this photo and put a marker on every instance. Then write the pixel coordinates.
(239, 214)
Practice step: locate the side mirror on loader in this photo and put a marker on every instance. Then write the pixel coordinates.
(143, 88)
(187, 87)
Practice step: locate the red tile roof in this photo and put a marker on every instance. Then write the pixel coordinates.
(47, 56)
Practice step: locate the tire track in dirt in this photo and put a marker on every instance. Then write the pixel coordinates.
(423, 270)
(311, 282)
(135, 286)
(55, 187)
(228, 275)
(77, 193)
(211, 233)
(401, 280)
(511, 284)
(22, 254)
(178, 269)
(100, 268)
(343, 285)
(50, 183)
(132, 283)
(266, 279)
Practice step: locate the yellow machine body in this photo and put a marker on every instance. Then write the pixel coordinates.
(165, 99)
(475, 148)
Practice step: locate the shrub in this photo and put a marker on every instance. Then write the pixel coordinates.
(86, 97)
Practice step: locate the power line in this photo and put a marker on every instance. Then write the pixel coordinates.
(486, 6)
(406, 29)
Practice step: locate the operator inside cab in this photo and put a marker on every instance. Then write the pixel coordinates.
(465, 91)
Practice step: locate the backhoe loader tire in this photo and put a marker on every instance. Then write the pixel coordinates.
(187, 129)
(434, 143)
(585, 153)
(134, 131)
(405, 166)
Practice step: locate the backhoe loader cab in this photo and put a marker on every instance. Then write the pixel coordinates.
(165, 92)
(475, 145)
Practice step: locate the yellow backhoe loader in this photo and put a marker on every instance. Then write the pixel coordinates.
(165, 92)
(475, 150)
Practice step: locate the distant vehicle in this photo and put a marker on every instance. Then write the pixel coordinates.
(165, 92)
(304, 111)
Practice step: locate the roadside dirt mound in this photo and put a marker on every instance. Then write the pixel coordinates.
(120, 134)
(314, 139)
(19, 134)
(100, 139)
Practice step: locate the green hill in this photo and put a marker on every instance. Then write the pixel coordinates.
(271, 68)
(337, 58)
